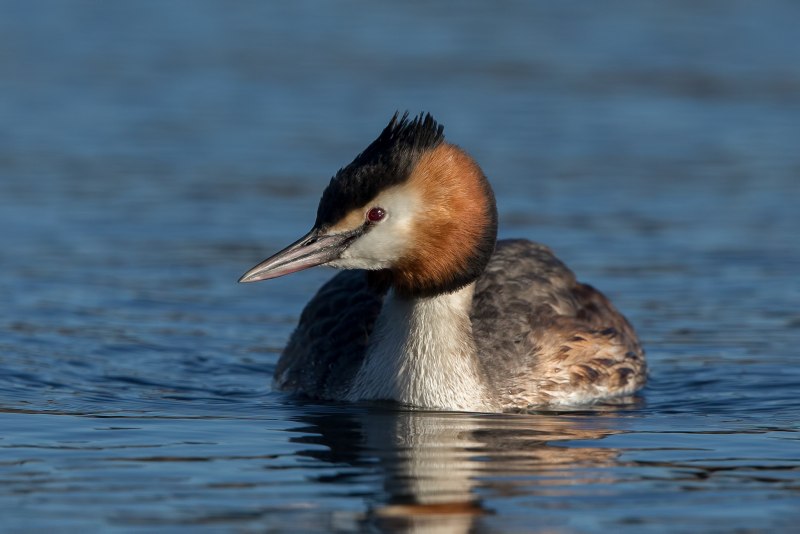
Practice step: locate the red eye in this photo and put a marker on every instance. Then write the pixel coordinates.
(376, 215)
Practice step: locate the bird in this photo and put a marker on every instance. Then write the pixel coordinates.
(430, 310)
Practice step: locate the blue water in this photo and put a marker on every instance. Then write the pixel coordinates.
(151, 152)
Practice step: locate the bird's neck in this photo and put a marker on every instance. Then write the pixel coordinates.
(422, 353)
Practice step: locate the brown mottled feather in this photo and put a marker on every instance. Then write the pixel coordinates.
(327, 347)
(542, 337)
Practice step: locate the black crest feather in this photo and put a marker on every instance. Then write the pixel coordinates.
(387, 161)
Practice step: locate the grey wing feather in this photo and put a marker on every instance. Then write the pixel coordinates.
(544, 337)
(327, 347)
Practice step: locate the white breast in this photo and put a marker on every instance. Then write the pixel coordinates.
(422, 353)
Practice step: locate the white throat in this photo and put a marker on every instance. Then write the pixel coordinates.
(422, 353)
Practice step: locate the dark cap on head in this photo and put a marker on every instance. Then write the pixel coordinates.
(386, 162)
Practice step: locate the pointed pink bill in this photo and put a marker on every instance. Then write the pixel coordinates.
(311, 250)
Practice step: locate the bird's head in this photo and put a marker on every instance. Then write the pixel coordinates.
(411, 207)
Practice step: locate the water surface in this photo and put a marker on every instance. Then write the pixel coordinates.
(151, 152)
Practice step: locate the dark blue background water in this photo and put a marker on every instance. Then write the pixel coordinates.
(150, 152)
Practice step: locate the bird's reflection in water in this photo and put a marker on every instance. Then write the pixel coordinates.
(434, 467)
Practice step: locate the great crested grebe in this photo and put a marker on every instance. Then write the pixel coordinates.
(433, 311)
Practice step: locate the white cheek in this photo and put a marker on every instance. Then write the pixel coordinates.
(379, 247)
(387, 241)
